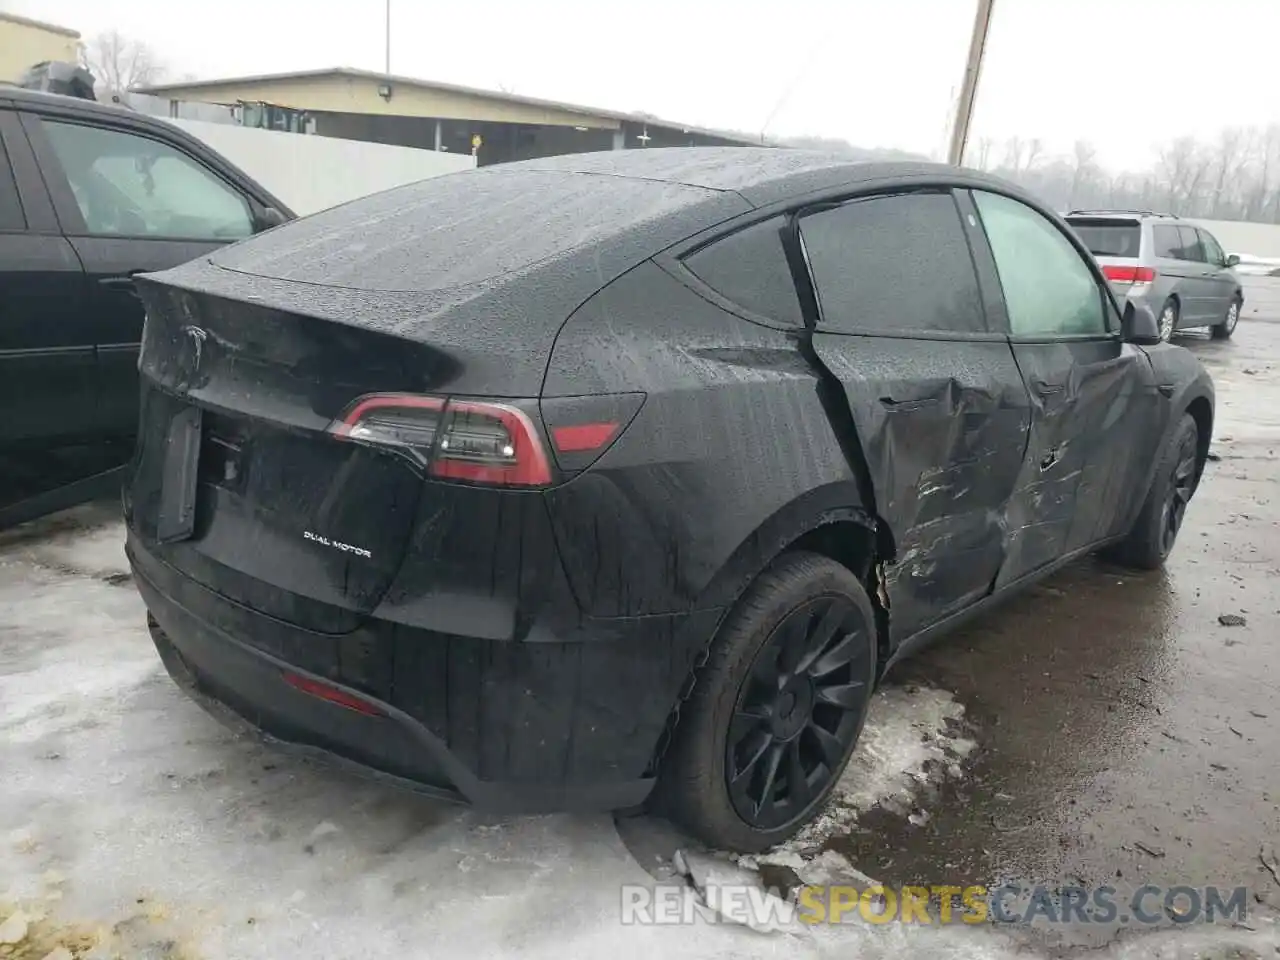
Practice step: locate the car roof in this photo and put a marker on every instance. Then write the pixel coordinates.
(1144, 216)
(761, 175)
(21, 95)
(533, 239)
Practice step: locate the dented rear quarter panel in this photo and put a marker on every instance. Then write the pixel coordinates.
(730, 458)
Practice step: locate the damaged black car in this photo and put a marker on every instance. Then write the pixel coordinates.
(621, 478)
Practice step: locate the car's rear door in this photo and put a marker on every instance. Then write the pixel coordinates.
(1093, 398)
(1222, 283)
(130, 201)
(1175, 276)
(1199, 307)
(936, 399)
(47, 378)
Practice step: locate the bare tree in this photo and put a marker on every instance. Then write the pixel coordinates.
(1182, 167)
(982, 154)
(1229, 159)
(1035, 152)
(119, 63)
(1084, 169)
(1013, 156)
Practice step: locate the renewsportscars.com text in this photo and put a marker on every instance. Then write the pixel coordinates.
(936, 904)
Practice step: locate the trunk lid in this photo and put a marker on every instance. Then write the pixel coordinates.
(279, 515)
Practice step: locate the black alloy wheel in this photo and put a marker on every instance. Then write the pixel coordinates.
(1154, 533)
(1181, 487)
(798, 712)
(775, 711)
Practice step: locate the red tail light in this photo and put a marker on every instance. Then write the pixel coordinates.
(332, 694)
(582, 438)
(1123, 274)
(472, 440)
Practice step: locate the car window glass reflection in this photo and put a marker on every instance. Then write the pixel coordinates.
(127, 185)
(1048, 288)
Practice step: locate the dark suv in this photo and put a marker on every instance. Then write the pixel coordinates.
(542, 484)
(91, 195)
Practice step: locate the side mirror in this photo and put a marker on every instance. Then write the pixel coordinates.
(268, 217)
(1140, 325)
(1233, 260)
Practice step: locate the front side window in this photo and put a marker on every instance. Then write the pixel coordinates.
(1049, 289)
(1212, 251)
(133, 186)
(893, 265)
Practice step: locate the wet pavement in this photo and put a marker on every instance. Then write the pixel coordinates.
(1103, 728)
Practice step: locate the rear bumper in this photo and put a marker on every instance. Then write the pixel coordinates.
(519, 727)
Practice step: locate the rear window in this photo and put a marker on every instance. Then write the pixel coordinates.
(457, 230)
(750, 268)
(1109, 238)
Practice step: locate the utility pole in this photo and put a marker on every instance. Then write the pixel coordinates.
(969, 89)
(388, 18)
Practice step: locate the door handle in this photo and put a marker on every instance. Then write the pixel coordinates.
(124, 284)
(1047, 389)
(901, 406)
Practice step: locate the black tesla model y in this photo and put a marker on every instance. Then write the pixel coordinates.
(622, 478)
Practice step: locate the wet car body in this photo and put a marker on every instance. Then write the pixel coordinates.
(682, 408)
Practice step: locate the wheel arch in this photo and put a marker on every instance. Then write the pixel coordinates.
(829, 520)
(1201, 411)
(832, 507)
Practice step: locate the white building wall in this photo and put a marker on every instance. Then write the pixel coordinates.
(311, 173)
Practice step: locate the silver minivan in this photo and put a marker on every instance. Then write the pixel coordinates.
(1174, 266)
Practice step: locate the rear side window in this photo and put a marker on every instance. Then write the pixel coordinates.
(1168, 243)
(890, 265)
(1191, 248)
(11, 216)
(1109, 238)
(750, 269)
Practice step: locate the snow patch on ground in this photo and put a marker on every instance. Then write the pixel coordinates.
(909, 739)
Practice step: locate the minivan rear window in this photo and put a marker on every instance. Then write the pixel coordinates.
(1109, 238)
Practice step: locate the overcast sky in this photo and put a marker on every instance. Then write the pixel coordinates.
(1125, 74)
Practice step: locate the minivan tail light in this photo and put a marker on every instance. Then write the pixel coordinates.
(471, 440)
(1126, 274)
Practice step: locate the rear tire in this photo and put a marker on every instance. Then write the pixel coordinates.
(776, 710)
(1152, 538)
(1169, 319)
(1224, 330)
